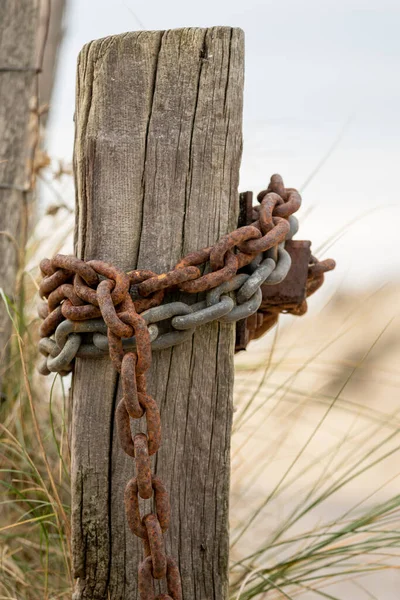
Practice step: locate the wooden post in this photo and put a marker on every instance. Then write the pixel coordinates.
(157, 155)
(18, 140)
(27, 68)
(50, 55)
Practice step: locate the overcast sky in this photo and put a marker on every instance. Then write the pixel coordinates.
(315, 71)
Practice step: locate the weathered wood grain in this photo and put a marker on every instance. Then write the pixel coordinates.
(157, 154)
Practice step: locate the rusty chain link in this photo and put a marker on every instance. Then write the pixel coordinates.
(225, 309)
(119, 313)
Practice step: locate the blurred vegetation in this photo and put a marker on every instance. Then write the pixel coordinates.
(315, 449)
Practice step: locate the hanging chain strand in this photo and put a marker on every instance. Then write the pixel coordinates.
(121, 311)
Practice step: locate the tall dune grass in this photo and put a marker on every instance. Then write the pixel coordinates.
(314, 507)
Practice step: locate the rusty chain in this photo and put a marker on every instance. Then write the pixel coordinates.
(121, 312)
(184, 319)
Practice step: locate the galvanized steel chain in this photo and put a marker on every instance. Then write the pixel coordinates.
(121, 313)
(183, 318)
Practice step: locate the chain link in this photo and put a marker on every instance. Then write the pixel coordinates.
(182, 317)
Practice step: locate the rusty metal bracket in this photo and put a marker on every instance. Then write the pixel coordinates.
(292, 291)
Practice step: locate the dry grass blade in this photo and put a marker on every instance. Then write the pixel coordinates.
(315, 450)
(288, 558)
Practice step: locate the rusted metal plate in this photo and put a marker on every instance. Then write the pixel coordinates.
(245, 209)
(292, 290)
(242, 335)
